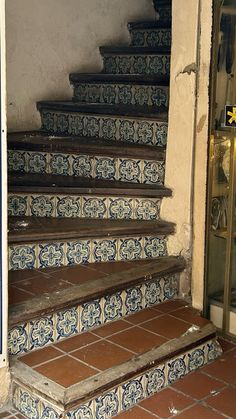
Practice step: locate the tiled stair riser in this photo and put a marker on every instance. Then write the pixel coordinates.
(151, 37)
(65, 323)
(84, 206)
(93, 167)
(126, 94)
(137, 64)
(134, 130)
(124, 396)
(74, 252)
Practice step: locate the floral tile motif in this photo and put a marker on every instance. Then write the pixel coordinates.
(94, 207)
(104, 250)
(82, 166)
(153, 293)
(18, 339)
(213, 351)
(171, 287)
(133, 300)
(17, 161)
(17, 205)
(132, 393)
(129, 170)
(37, 162)
(120, 208)
(51, 255)
(91, 315)
(42, 206)
(67, 323)
(151, 38)
(41, 332)
(50, 413)
(154, 172)
(112, 307)
(177, 369)
(107, 406)
(147, 209)
(137, 64)
(68, 206)
(28, 405)
(78, 252)
(155, 247)
(105, 168)
(130, 249)
(22, 257)
(82, 412)
(156, 380)
(196, 359)
(60, 164)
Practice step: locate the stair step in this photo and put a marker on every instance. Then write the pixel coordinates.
(139, 359)
(136, 60)
(132, 79)
(164, 10)
(111, 122)
(47, 293)
(150, 34)
(66, 157)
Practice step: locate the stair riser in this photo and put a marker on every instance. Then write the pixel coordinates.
(123, 396)
(43, 331)
(73, 206)
(164, 10)
(158, 65)
(151, 38)
(134, 130)
(93, 167)
(74, 252)
(114, 94)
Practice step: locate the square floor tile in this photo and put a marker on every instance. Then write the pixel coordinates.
(198, 385)
(138, 340)
(136, 413)
(225, 401)
(164, 403)
(190, 315)
(103, 355)
(113, 267)
(226, 345)
(166, 326)
(143, 316)
(66, 371)
(76, 342)
(17, 296)
(40, 356)
(223, 368)
(199, 412)
(172, 305)
(111, 328)
(78, 274)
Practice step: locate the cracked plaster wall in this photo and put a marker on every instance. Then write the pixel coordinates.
(46, 40)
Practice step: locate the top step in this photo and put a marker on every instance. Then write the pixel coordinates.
(148, 24)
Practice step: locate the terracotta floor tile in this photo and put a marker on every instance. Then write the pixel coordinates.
(199, 412)
(42, 285)
(66, 371)
(103, 355)
(16, 276)
(198, 385)
(76, 342)
(167, 326)
(4, 414)
(190, 315)
(138, 340)
(113, 267)
(17, 296)
(224, 368)
(111, 328)
(172, 305)
(136, 413)
(225, 401)
(143, 316)
(226, 345)
(78, 274)
(40, 356)
(162, 403)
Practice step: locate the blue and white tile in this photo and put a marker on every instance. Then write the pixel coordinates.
(154, 247)
(152, 293)
(18, 205)
(155, 380)
(147, 209)
(22, 257)
(91, 315)
(41, 332)
(60, 164)
(107, 405)
(196, 359)
(170, 286)
(153, 172)
(130, 248)
(159, 96)
(112, 307)
(26, 403)
(104, 250)
(67, 323)
(91, 126)
(50, 412)
(105, 168)
(132, 392)
(213, 350)
(133, 300)
(68, 206)
(51, 255)
(95, 207)
(78, 252)
(108, 129)
(17, 161)
(18, 339)
(82, 166)
(42, 206)
(120, 208)
(37, 162)
(129, 170)
(85, 411)
(177, 368)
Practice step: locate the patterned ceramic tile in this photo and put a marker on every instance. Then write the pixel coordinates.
(91, 315)
(22, 257)
(146, 209)
(82, 166)
(156, 380)
(134, 300)
(154, 247)
(68, 206)
(112, 128)
(170, 287)
(129, 170)
(132, 392)
(153, 293)
(37, 162)
(130, 249)
(196, 359)
(213, 350)
(51, 255)
(151, 38)
(104, 250)
(94, 207)
(177, 369)
(108, 405)
(83, 412)
(60, 164)
(78, 252)
(137, 64)
(154, 172)
(67, 323)
(41, 332)
(27, 404)
(120, 208)
(112, 307)
(17, 205)
(105, 168)
(42, 206)
(18, 341)
(16, 161)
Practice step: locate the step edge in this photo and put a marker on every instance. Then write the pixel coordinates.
(77, 394)
(130, 50)
(154, 24)
(118, 79)
(40, 306)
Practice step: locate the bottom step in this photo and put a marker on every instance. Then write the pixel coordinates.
(101, 373)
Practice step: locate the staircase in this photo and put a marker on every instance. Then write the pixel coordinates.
(95, 321)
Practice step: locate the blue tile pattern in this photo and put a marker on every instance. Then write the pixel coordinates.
(151, 37)
(137, 64)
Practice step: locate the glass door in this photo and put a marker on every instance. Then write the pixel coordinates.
(220, 297)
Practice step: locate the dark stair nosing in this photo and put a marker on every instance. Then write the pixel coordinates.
(132, 111)
(57, 184)
(120, 78)
(93, 289)
(130, 50)
(40, 229)
(148, 24)
(39, 141)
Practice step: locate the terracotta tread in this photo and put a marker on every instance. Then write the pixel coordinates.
(28, 229)
(149, 24)
(74, 371)
(119, 78)
(33, 292)
(39, 141)
(105, 109)
(130, 50)
(56, 184)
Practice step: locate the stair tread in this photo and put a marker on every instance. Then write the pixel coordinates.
(36, 183)
(28, 229)
(105, 109)
(39, 141)
(129, 348)
(149, 24)
(130, 50)
(120, 78)
(33, 292)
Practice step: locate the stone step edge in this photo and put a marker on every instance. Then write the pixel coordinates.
(131, 50)
(77, 395)
(101, 78)
(148, 24)
(80, 294)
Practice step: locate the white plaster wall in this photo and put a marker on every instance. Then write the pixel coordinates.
(48, 39)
